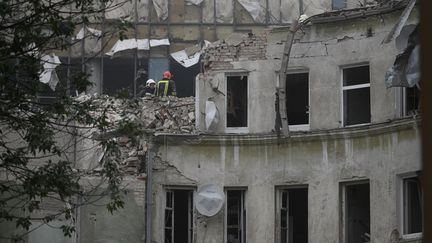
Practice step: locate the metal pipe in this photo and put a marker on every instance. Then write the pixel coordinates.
(149, 23)
(68, 81)
(214, 20)
(234, 24)
(168, 33)
(267, 14)
(101, 52)
(149, 190)
(83, 69)
(150, 156)
(136, 51)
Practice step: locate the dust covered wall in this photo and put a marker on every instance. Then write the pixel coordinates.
(126, 224)
(321, 161)
(239, 55)
(327, 48)
(322, 51)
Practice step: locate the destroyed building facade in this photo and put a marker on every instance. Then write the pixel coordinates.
(169, 34)
(348, 171)
(345, 172)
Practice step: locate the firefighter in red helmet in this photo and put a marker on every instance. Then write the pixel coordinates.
(166, 87)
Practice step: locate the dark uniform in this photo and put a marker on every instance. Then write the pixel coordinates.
(166, 87)
(150, 90)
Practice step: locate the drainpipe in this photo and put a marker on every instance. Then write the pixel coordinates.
(149, 190)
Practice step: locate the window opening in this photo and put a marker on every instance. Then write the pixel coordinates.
(235, 217)
(357, 213)
(184, 78)
(338, 4)
(64, 87)
(118, 74)
(412, 99)
(179, 216)
(158, 65)
(356, 95)
(237, 101)
(297, 98)
(412, 210)
(293, 218)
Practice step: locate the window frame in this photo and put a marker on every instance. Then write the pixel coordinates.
(401, 207)
(301, 127)
(343, 211)
(278, 205)
(236, 129)
(243, 220)
(191, 213)
(352, 87)
(404, 100)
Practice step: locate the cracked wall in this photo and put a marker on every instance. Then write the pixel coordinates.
(322, 50)
(321, 163)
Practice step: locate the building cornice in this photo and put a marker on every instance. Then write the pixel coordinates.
(391, 126)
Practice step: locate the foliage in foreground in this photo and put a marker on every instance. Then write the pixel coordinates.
(38, 138)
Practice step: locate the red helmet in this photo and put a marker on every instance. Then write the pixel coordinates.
(167, 75)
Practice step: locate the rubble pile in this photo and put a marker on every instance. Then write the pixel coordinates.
(152, 114)
(169, 114)
(132, 156)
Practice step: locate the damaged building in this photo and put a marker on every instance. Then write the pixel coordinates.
(318, 150)
(170, 35)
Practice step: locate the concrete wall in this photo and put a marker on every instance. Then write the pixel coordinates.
(321, 162)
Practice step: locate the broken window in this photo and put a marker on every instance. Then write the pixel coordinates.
(356, 211)
(235, 216)
(237, 101)
(293, 215)
(179, 216)
(412, 208)
(339, 4)
(158, 65)
(411, 100)
(64, 86)
(118, 76)
(184, 78)
(297, 98)
(356, 95)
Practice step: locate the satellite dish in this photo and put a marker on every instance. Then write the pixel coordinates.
(209, 199)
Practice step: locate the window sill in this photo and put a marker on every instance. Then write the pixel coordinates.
(412, 238)
(304, 127)
(236, 130)
(358, 125)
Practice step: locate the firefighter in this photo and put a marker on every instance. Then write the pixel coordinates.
(149, 89)
(166, 87)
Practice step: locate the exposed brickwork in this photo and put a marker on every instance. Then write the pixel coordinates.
(220, 54)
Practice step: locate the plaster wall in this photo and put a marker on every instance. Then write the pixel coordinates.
(261, 88)
(321, 163)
